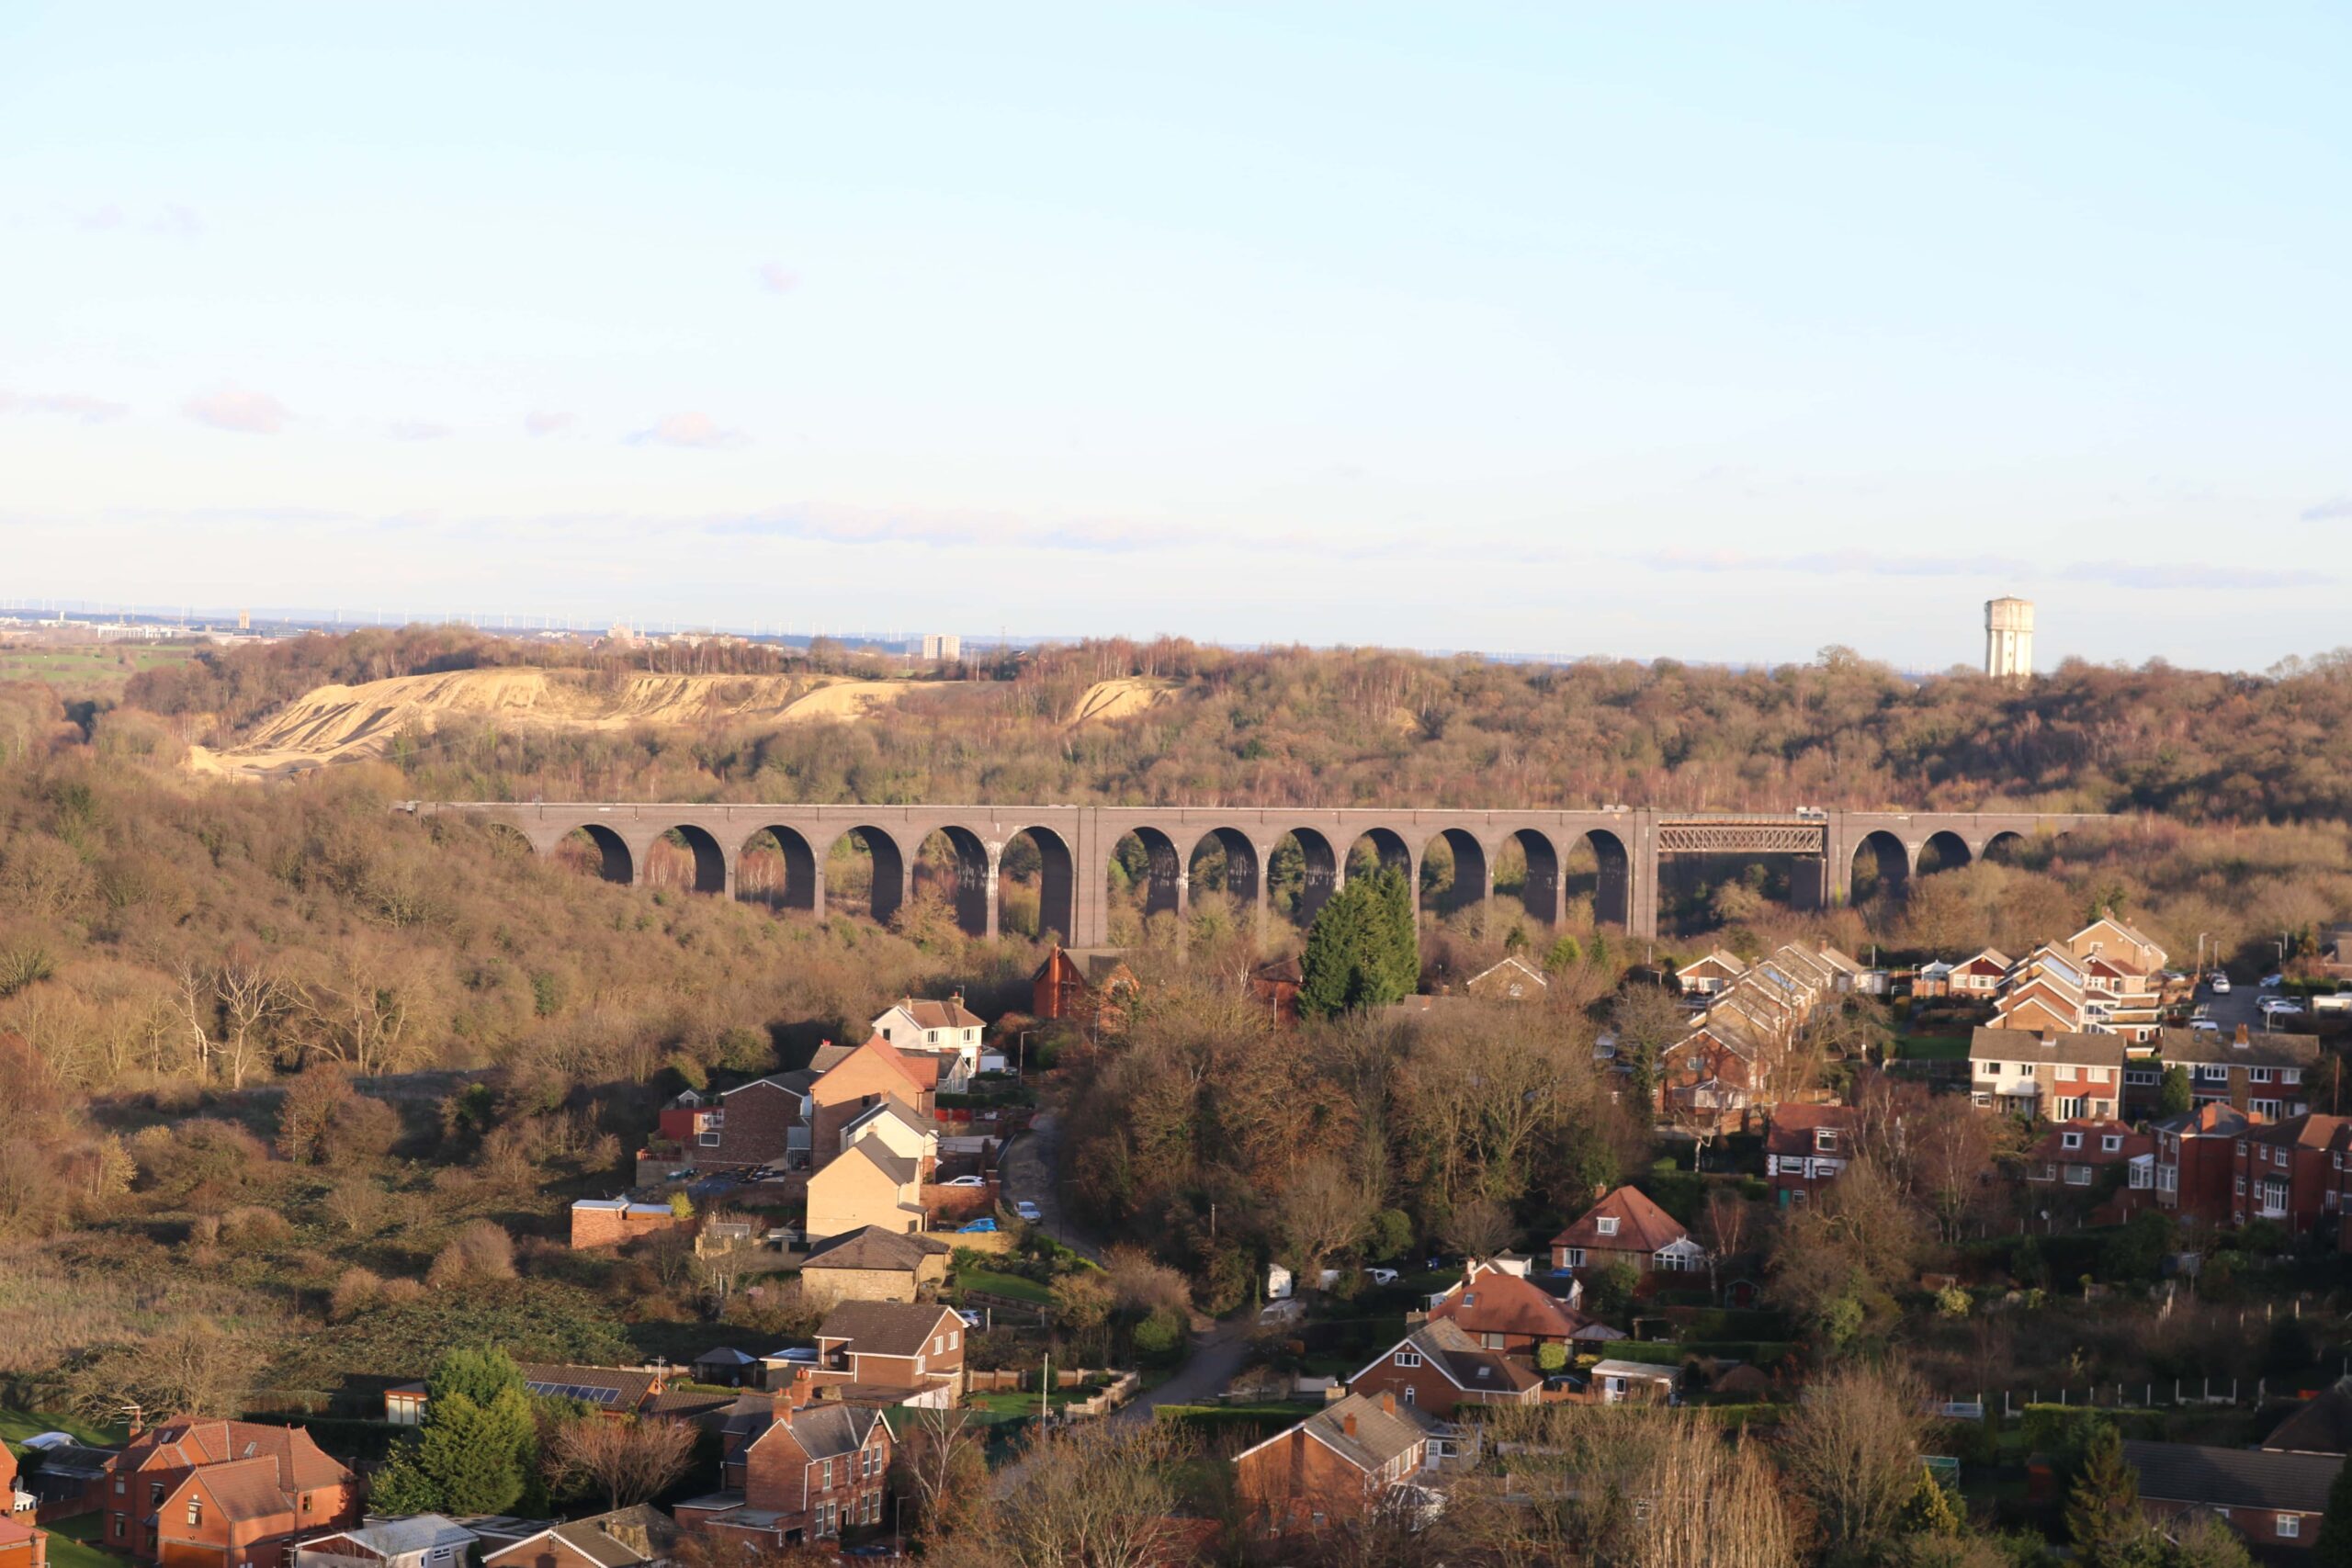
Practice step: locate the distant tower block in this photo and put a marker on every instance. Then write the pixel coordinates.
(2008, 638)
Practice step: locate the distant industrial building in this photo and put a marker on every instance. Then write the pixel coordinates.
(941, 646)
(2008, 638)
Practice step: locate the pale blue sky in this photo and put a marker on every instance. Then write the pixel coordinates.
(1722, 333)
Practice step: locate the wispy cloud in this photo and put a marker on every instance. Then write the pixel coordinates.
(2329, 510)
(777, 278)
(70, 405)
(418, 430)
(549, 422)
(697, 430)
(1869, 563)
(237, 409)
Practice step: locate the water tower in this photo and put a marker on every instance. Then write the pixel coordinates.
(2008, 638)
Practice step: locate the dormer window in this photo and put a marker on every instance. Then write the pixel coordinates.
(1607, 1224)
(2070, 1140)
(2111, 1142)
(1824, 1140)
(1409, 1358)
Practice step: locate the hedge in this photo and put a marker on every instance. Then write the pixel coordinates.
(1208, 1421)
(2062, 1431)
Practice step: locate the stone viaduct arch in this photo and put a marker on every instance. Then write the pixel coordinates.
(1075, 845)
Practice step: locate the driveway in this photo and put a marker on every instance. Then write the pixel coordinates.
(1217, 1355)
(1031, 1169)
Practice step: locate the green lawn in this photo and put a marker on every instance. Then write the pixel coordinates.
(1931, 1048)
(69, 1543)
(1009, 1285)
(1010, 1404)
(17, 1424)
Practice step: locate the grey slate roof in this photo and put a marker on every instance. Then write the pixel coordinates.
(397, 1538)
(1380, 1435)
(2233, 1478)
(876, 1247)
(885, 1329)
(2323, 1426)
(624, 1538)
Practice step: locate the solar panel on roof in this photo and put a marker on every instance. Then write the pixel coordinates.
(575, 1391)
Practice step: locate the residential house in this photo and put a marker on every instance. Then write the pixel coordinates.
(420, 1541)
(1979, 975)
(1710, 973)
(867, 1186)
(2323, 1425)
(1512, 980)
(684, 1119)
(1846, 972)
(948, 1032)
(801, 1475)
(1350, 1458)
(853, 1079)
(22, 1543)
(1275, 985)
(2109, 938)
(2291, 1171)
(195, 1493)
(726, 1367)
(890, 1353)
(64, 1478)
(874, 1264)
(2196, 1161)
(1626, 1227)
(2274, 1500)
(1713, 1078)
(2062, 1077)
(1503, 1310)
(639, 1536)
(14, 1499)
(1438, 1368)
(2265, 1074)
(2044, 994)
(1090, 987)
(1931, 981)
(617, 1392)
(1805, 1148)
(761, 1124)
(2105, 1161)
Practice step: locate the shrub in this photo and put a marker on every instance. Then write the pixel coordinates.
(1159, 1338)
(481, 1251)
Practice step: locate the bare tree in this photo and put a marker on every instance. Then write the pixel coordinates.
(627, 1461)
(1727, 1217)
(942, 1465)
(1851, 1449)
(1479, 1227)
(1102, 1500)
(1323, 1211)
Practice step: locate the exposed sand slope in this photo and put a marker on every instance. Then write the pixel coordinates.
(336, 724)
(1107, 700)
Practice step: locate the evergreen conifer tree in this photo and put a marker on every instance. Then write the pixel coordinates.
(2103, 1511)
(2333, 1548)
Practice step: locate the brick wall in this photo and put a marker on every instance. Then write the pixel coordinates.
(613, 1227)
(759, 1118)
(951, 1206)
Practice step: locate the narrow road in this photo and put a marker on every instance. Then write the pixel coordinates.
(1031, 1169)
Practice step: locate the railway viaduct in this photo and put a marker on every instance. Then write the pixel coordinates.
(1076, 843)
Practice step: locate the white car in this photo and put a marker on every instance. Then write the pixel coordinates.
(967, 1182)
(1382, 1276)
(2204, 1026)
(2221, 983)
(2272, 982)
(2278, 1007)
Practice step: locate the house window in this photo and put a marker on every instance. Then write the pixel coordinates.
(825, 1480)
(1607, 1224)
(1989, 1069)
(2289, 1525)
(932, 1038)
(1409, 1357)
(1573, 1256)
(2070, 1140)
(2257, 1074)
(2241, 1186)
(2111, 1142)
(2078, 1175)
(194, 1511)
(2266, 1108)
(154, 1494)
(708, 1139)
(1492, 1341)
(440, 1554)
(118, 1521)
(1824, 1140)
(2140, 1174)
(1408, 1394)
(2290, 1075)
(955, 1338)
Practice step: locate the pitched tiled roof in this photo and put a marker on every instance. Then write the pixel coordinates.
(419, 1533)
(898, 1168)
(1489, 1301)
(1442, 1342)
(1988, 1044)
(1384, 1430)
(629, 1389)
(1791, 1129)
(875, 1247)
(186, 1442)
(1642, 1225)
(885, 1329)
(2266, 1049)
(2091, 1143)
(622, 1539)
(2313, 1131)
(2214, 1119)
(949, 1014)
(243, 1489)
(2323, 1426)
(829, 1429)
(2232, 1478)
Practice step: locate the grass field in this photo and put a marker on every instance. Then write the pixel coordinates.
(17, 1424)
(1012, 1286)
(86, 672)
(70, 1543)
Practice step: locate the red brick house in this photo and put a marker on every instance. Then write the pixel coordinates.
(2197, 1162)
(1437, 1368)
(2274, 1500)
(1626, 1227)
(22, 1545)
(877, 1352)
(1805, 1148)
(1714, 1076)
(615, 1221)
(802, 1474)
(1086, 986)
(1710, 973)
(1979, 975)
(641, 1537)
(1501, 1311)
(2103, 1160)
(763, 1123)
(853, 1080)
(223, 1493)
(2290, 1171)
(2267, 1074)
(1343, 1460)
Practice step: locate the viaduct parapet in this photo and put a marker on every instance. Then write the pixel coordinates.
(1076, 845)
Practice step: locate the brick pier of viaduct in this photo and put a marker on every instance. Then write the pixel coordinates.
(1076, 843)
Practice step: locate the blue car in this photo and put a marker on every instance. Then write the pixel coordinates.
(978, 1227)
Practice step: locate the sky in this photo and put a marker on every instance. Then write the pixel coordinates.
(1715, 332)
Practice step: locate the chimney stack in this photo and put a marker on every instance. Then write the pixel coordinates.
(1387, 1403)
(1348, 1424)
(2242, 1039)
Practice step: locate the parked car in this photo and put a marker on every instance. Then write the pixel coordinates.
(967, 1182)
(2221, 983)
(1382, 1276)
(685, 1175)
(1028, 1211)
(978, 1227)
(972, 1317)
(2204, 1026)
(2272, 982)
(2280, 1006)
